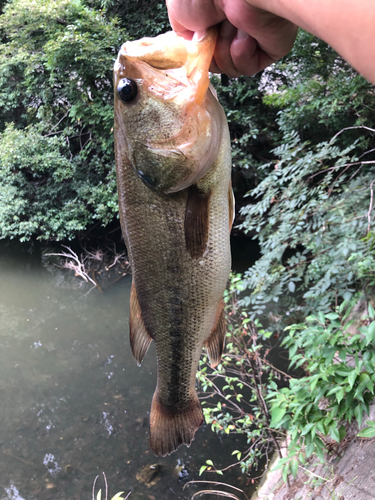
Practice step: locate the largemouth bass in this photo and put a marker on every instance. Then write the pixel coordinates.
(176, 208)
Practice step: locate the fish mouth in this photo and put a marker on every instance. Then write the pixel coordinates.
(163, 52)
(186, 62)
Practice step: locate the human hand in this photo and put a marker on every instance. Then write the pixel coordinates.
(249, 40)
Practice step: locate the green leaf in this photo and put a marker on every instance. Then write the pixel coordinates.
(342, 354)
(371, 332)
(340, 394)
(277, 414)
(118, 496)
(334, 433)
(202, 469)
(332, 316)
(294, 468)
(99, 495)
(307, 429)
(321, 427)
(310, 449)
(358, 413)
(352, 377)
(334, 390)
(367, 432)
(342, 432)
(209, 462)
(321, 318)
(285, 472)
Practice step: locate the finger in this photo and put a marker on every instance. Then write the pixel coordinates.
(246, 55)
(223, 58)
(214, 68)
(180, 30)
(238, 53)
(190, 15)
(188, 35)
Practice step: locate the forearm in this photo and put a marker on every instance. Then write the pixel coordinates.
(347, 25)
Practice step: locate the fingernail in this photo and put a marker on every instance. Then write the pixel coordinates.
(199, 35)
(188, 35)
(241, 34)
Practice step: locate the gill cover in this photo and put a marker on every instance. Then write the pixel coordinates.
(172, 128)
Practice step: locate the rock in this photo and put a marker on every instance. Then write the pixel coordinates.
(149, 475)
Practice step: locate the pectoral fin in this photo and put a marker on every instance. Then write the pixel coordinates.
(139, 337)
(216, 340)
(197, 221)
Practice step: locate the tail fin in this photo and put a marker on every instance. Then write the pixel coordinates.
(169, 429)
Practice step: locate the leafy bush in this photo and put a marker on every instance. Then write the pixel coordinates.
(311, 211)
(240, 384)
(43, 192)
(339, 384)
(311, 223)
(333, 361)
(56, 160)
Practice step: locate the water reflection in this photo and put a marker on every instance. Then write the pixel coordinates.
(52, 466)
(73, 401)
(13, 493)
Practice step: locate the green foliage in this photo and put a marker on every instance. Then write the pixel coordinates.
(239, 385)
(139, 17)
(317, 93)
(252, 127)
(369, 431)
(313, 207)
(246, 394)
(56, 160)
(43, 192)
(311, 212)
(338, 385)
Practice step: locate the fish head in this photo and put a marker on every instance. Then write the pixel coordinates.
(168, 121)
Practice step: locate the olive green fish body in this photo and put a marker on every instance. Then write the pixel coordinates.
(178, 244)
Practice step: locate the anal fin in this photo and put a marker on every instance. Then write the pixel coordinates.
(215, 342)
(197, 218)
(139, 337)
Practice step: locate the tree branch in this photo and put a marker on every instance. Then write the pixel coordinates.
(351, 128)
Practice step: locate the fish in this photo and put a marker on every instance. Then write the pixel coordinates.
(173, 163)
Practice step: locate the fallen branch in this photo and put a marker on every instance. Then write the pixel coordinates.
(73, 263)
(216, 483)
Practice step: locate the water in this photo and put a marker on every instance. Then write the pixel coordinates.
(73, 402)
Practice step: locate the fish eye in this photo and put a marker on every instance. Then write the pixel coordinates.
(127, 90)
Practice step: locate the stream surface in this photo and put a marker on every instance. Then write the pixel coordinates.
(73, 402)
